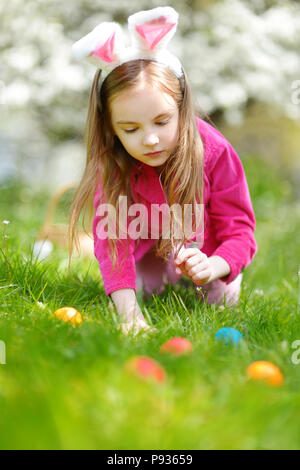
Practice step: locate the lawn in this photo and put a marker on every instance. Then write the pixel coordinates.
(65, 387)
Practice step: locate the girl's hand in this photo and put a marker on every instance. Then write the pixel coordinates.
(131, 318)
(194, 264)
(135, 325)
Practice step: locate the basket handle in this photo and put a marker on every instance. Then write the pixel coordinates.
(53, 205)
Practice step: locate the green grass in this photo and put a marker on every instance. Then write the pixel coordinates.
(67, 388)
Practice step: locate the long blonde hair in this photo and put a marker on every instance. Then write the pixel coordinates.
(107, 159)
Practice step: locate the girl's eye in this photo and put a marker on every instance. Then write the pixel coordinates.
(161, 123)
(129, 130)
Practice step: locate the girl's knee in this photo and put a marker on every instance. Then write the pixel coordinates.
(220, 293)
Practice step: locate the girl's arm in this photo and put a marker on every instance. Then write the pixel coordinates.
(126, 304)
(124, 276)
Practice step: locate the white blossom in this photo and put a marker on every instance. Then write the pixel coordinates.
(42, 249)
(258, 292)
(232, 51)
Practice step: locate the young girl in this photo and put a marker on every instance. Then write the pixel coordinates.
(147, 149)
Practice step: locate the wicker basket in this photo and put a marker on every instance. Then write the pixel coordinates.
(58, 233)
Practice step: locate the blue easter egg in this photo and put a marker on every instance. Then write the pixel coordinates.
(229, 335)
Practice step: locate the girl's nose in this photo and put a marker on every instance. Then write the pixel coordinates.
(151, 139)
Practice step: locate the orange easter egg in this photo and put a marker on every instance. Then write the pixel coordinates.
(176, 346)
(146, 368)
(69, 314)
(266, 372)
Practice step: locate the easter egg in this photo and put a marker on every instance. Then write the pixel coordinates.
(146, 368)
(176, 346)
(229, 335)
(42, 249)
(266, 372)
(69, 314)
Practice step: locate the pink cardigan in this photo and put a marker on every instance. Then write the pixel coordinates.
(228, 216)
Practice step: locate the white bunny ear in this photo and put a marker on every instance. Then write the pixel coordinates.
(102, 47)
(152, 30)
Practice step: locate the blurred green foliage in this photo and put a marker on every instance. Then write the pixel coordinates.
(67, 388)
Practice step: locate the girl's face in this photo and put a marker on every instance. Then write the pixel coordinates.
(146, 120)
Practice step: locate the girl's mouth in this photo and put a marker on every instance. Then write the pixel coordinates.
(153, 154)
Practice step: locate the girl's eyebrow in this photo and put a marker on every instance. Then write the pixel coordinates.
(131, 122)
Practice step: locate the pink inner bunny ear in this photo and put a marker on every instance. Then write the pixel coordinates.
(153, 31)
(105, 51)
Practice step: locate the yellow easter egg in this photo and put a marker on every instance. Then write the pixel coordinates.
(69, 314)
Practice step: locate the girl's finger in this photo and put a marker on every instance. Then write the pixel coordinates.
(195, 260)
(187, 253)
(200, 267)
(203, 275)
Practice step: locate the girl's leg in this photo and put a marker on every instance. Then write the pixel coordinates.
(218, 292)
(153, 273)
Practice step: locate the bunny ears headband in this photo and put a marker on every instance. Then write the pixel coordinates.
(150, 32)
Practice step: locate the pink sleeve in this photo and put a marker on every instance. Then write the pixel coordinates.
(231, 212)
(124, 275)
